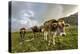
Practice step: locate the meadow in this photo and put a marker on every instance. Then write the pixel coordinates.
(70, 41)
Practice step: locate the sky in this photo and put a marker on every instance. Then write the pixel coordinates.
(28, 14)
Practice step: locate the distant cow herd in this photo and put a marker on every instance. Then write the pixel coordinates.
(49, 28)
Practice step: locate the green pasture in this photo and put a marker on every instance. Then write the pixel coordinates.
(70, 41)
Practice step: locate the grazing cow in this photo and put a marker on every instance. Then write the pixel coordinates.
(35, 29)
(22, 33)
(53, 28)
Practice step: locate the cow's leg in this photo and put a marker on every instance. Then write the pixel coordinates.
(49, 38)
(21, 36)
(49, 42)
(53, 40)
(33, 34)
(45, 35)
(54, 37)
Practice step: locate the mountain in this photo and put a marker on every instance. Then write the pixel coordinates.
(72, 19)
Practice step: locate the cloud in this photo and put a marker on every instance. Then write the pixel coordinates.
(28, 22)
(25, 20)
(54, 12)
(27, 14)
(31, 13)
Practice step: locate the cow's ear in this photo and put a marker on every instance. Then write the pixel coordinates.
(66, 25)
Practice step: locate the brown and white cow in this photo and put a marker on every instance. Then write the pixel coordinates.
(53, 28)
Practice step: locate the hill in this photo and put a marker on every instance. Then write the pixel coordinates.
(72, 19)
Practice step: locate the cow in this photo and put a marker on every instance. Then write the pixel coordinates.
(49, 29)
(35, 29)
(22, 33)
(53, 28)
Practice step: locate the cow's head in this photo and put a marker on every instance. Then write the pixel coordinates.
(22, 30)
(54, 25)
(34, 29)
(61, 27)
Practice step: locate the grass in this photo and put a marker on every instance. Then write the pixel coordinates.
(70, 41)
